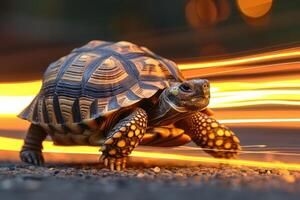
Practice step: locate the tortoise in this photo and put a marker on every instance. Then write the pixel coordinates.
(117, 96)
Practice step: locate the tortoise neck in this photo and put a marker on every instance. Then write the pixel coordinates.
(166, 112)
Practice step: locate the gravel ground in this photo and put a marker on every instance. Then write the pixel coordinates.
(21, 181)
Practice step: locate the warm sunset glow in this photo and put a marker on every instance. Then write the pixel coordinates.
(254, 8)
(12, 105)
(10, 144)
(20, 89)
(283, 54)
(224, 95)
(255, 97)
(16, 96)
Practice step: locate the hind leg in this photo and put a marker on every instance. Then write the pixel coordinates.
(215, 138)
(32, 149)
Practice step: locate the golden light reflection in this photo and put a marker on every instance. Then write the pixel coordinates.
(10, 144)
(224, 95)
(20, 89)
(255, 97)
(263, 57)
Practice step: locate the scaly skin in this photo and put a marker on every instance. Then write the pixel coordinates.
(32, 149)
(123, 138)
(215, 138)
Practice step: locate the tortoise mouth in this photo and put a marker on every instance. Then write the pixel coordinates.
(196, 103)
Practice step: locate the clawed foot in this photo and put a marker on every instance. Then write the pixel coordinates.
(114, 163)
(32, 157)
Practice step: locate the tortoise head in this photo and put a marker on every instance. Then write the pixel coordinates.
(179, 100)
(190, 95)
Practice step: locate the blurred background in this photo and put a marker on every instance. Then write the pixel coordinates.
(248, 49)
(35, 33)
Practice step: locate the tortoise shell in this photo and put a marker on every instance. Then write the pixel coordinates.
(98, 79)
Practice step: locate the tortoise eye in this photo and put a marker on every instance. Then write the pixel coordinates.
(185, 88)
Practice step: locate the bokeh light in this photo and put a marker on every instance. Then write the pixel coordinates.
(206, 13)
(254, 8)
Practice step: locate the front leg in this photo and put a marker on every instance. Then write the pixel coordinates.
(123, 138)
(215, 138)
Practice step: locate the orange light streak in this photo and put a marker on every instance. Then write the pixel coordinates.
(270, 56)
(224, 95)
(239, 121)
(10, 144)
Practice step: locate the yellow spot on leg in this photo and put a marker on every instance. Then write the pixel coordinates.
(219, 142)
(112, 152)
(210, 144)
(109, 141)
(121, 143)
(123, 129)
(227, 145)
(220, 132)
(211, 136)
(203, 132)
(235, 139)
(214, 125)
(117, 135)
(133, 127)
(227, 133)
(130, 134)
(137, 132)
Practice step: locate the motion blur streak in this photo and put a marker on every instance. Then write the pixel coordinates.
(10, 144)
(12, 105)
(224, 95)
(263, 57)
(238, 121)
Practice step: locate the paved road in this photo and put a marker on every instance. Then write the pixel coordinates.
(19, 181)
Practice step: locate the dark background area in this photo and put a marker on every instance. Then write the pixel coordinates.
(36, 32)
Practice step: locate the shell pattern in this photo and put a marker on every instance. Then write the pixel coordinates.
(98, 79)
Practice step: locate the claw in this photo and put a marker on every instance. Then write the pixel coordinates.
(118, 167)
(118, 164)
(106, 162)
(112, 166)
(102, 157)
(123, 164)
(35, 161)
(29, 158)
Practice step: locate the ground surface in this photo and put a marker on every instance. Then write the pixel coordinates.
(20, 181)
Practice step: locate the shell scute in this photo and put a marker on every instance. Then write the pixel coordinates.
(98, 79)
